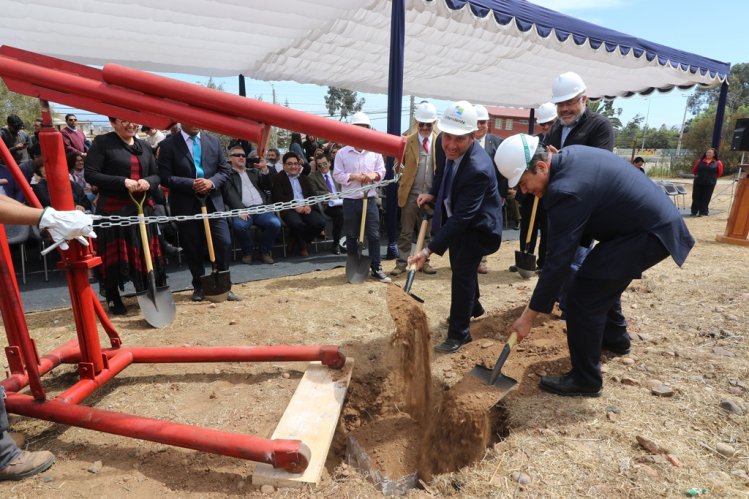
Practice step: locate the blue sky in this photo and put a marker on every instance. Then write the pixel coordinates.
(711, 29)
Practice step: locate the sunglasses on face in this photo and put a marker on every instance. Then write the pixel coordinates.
(238, 155)
(292, 163)
(72, 119)
(425, 125)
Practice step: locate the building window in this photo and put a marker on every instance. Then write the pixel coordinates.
(508, 124)
(498, 123)
(523, 123)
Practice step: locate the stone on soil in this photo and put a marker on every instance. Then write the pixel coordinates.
(731, 406)
(662, 391)
(521, 478)
(725, 449)
(96, 467)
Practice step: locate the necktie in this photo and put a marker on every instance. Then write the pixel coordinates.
(425, 143)
(329, 181)
(444, 193)
(196, 151)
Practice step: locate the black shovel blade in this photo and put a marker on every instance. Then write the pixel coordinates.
(216, 286)
(157, 306)
(409, 283)
(526, 263)
(357, 268)
(503, 383)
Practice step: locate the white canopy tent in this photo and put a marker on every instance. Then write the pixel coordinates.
(488, 51)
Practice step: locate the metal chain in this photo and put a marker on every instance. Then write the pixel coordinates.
(106, 221)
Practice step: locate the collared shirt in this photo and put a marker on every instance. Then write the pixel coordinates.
(188, 140)
(276, 167)
(349, 161)
(296, 186)
(250, 195)
(566, 129)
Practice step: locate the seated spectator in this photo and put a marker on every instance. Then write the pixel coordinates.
(41, 189)
(244, 189)
(274, 160)
(310, 146)
(296, 147)
(75, 167)
(153, 136)
(323, 183)
(305, 222)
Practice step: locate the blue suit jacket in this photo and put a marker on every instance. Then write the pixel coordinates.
(593, 193)
(475, 203)
(177, 172)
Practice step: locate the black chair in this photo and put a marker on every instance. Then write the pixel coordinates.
(18, 235)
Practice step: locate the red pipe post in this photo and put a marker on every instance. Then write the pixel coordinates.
(234, 105)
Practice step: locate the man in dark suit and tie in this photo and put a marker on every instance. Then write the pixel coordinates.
(192, 164)
(591, 193)
(467, 217)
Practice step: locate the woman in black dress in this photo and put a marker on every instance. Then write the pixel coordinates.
(706, 171)
(120, 164)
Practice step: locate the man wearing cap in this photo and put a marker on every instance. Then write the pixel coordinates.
(467, 218)
(577, 124)
(417, 173)
(15, 138)
(589, 192)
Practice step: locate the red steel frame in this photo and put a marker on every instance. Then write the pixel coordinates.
(118, 91)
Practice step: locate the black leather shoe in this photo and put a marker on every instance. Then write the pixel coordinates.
(336, 250)
(198, 294)
(116, 307)
(567, 386)
(451, 345)
(478, 310)
(233, 297)
(513, 268)
(619, 348)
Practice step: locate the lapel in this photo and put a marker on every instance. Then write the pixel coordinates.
(204, 152)
(181, 146)
(461, 167)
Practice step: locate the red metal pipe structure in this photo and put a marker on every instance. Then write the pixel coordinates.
(272, 114)
(82, 85)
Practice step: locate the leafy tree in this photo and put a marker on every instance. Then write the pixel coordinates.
(628, 135)
(606, 108)
(700, 134)
(27, 108)
(344, 101)
(738, 91)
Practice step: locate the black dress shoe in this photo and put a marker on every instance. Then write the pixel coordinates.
(116, 307)
(452, 345)
(618, 348)
(478, 310)
(198, 294)
(233, 297)
(567, 386)
(336, 250)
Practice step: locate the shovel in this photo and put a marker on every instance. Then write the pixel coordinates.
(524, 261)
(217, 285)
(494, 377)
(157, 304)
(425, 216)
(357, 266)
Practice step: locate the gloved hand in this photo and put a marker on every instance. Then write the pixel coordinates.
(66, 225)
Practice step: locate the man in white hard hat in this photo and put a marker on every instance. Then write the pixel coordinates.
(577, 124)
(589, 192)
(467, 217)
(546, 115)
(16, 464)
(417, 173)
(353, 169)
(489, 142)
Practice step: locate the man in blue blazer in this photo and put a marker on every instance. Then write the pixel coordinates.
(467, 217)
(591, 193)
(191, 164)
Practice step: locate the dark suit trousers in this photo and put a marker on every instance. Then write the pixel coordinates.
(594, 315)
(192, 239)
(701, 195)
(336, 214)
(304, 228)
(465, 256)
(539, 227)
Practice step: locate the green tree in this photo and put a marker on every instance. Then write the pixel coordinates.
(700, 134)
(606, 108)
(627, 136)
(27, 108)
(738, 92)
(343, 101)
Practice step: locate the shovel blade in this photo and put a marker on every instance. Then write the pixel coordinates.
(357, 268)
(526, 263)
(216, 286)
(157, 306)
(503, 384)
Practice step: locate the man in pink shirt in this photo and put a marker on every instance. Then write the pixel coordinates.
(353, 169)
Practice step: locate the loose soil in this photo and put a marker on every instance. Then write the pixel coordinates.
(690, 333)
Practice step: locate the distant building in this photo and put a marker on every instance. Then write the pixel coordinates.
(506, 121)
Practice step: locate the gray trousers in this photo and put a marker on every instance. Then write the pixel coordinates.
(409, 223)
(8, 448)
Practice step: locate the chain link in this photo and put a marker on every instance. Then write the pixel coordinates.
(106, 221)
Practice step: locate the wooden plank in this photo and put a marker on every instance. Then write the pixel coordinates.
(312, 417)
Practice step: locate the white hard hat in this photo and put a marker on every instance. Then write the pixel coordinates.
(546, 112)
(359, 118)
(425, 113)
(513, 156)
(566, 86)
(481, 113)
(459, 118)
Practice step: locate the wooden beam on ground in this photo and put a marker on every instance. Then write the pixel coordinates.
(312, 417)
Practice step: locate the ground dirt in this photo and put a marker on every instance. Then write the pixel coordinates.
(690, 333)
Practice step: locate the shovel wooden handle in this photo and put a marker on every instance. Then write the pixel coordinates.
(363, 217)
(420, 241)
(208, 237)
(143, 231)
(530, 223)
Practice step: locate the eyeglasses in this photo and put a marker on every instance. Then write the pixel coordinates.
(238, 155)
(292, 163)
(72, 119)
(425, 125)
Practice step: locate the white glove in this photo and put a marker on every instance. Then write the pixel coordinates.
(66, 225)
